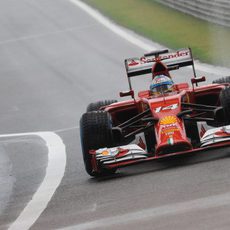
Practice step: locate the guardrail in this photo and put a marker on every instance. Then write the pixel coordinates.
(216, 11)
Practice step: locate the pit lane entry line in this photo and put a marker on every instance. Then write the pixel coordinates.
(54, 173)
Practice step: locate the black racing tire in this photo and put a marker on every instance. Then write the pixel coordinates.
(95, 132)
(222, 80)
(192, 132)
(225, 103)
(95, 106)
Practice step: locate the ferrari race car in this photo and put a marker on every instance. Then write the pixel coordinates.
(156, 124)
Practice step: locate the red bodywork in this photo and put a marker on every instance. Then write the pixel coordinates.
(168, 129)
(168, 126)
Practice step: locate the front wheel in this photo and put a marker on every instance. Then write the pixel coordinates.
(225, 103)
(96, 132)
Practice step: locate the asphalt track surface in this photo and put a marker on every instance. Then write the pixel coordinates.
(54, 60)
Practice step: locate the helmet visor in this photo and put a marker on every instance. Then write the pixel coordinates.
(161, 87)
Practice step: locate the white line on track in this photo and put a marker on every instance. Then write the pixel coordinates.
(56, 147)
(54, 173)
(203, 203)
(111, 26)
(138, 40)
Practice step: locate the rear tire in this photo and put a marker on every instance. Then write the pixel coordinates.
(96, 132)
(95, 106)
(222, 80)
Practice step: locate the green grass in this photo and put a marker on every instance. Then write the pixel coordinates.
(209, 42)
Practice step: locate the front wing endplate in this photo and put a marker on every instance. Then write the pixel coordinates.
(113, 155)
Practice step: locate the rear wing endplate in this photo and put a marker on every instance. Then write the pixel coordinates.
(143, 65)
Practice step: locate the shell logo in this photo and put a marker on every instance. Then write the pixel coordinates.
(105, 153)
(168, 120)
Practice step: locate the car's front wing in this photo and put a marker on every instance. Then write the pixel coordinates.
(131, 154)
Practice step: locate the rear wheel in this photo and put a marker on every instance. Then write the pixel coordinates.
(97, 105)
(222, 80)
(96, 132)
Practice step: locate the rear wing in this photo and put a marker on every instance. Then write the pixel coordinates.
(143, 65)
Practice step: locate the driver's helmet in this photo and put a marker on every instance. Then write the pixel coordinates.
(161, 84)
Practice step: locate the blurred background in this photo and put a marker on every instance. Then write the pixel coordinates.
(202, 25)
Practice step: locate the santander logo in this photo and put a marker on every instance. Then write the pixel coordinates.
(144, 60)
(178, 54)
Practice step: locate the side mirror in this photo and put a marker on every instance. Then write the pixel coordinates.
(127, 93)
(197, 80)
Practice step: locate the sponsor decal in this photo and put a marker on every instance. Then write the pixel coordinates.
(170, 107)
(119, 154)
(105, 153)
(143, 60)
(115, 152)
(168, 120)
(122, 152)
(133, 62)
(169, 129)
(169, 126)
(178, 54)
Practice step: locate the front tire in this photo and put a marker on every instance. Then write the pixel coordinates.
(96, 132)
(225, 103)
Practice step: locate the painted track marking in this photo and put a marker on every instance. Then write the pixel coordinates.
(54, 173)
(111, 26)
(198, 204)
(55, 145)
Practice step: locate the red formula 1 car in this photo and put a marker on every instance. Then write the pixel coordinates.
(169, 119)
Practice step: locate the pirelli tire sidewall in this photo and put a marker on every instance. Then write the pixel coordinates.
(95, 106)
(225, 103)
(95, 133)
